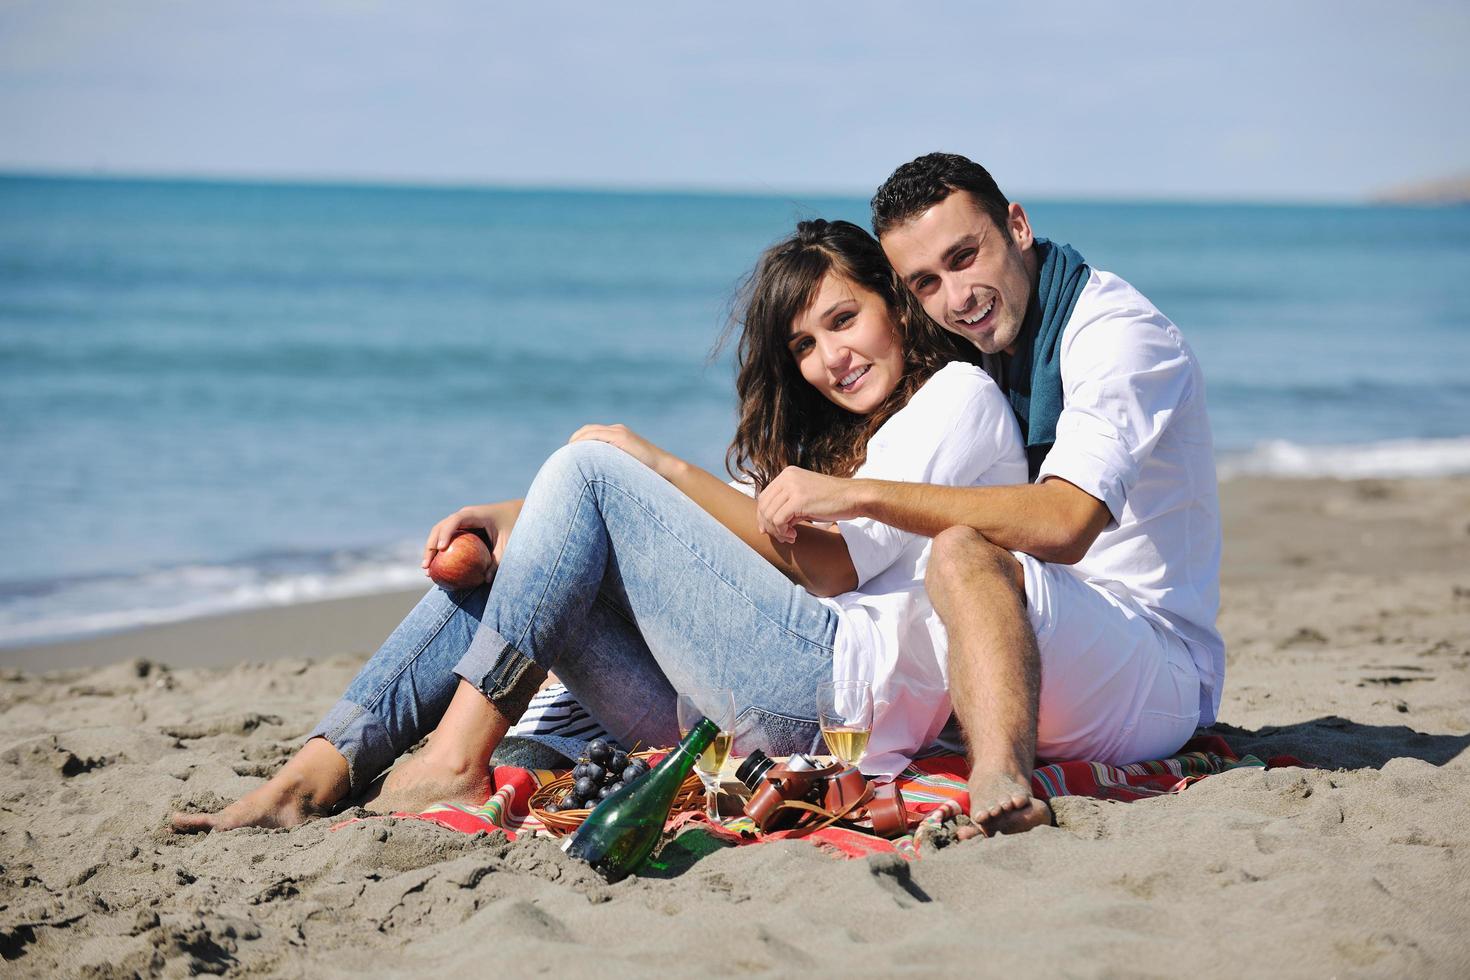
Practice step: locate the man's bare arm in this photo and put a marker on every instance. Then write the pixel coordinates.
(1053, 520)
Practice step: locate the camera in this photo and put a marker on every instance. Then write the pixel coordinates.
(772, 786)
(782, 796)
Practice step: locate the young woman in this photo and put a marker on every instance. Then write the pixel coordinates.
(633, 574)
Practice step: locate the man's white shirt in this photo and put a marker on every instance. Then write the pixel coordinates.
(1134, 433)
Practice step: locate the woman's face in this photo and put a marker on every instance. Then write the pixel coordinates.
(846, 345)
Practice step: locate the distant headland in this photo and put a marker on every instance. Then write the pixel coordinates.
(1442, 191)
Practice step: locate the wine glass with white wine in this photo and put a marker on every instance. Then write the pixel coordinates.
(719, 707)
(845, 712)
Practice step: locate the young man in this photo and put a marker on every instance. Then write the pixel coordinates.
(1080, 607)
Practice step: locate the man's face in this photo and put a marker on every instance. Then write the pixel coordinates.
(972, 278)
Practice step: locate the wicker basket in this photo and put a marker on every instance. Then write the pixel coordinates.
(689, 797)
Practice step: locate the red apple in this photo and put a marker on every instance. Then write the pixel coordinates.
(465, 564)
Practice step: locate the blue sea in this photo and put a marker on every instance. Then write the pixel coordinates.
(216, 396)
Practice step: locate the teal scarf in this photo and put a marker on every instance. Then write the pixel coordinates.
(1033, 375)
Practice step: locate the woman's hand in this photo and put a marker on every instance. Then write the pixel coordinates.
(798, 496)
(630, 442)
(495, 519)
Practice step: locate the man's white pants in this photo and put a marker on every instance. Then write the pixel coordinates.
(1116, 686)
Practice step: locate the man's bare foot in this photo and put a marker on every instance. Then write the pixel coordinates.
(422, 780)
(306, 787)
(1002, 804)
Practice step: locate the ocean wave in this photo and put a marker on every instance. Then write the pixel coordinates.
(68, 609)
(1389, 459)
(65, 609)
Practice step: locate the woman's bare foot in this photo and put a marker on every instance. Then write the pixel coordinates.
(272, 805)
(305, 788)
(1001, 803)
(454, 767)
(422, 780)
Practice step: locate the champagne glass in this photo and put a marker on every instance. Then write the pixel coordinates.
(845, 712)
(718, 706)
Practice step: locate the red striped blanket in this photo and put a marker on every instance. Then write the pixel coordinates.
(934, 789)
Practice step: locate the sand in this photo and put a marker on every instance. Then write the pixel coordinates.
(1347, 614)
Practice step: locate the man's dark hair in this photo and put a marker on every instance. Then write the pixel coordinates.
(920, 184)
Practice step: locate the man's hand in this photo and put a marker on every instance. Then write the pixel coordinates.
(629, 442)
(495, 519)
(799, 496)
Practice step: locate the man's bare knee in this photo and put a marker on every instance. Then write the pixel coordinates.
(962, 560)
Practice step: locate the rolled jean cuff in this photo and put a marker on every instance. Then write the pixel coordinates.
(361, 738)
(507, 677)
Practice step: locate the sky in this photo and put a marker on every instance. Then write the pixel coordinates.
(1248, 100)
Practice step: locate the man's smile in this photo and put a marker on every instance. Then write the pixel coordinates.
(977, 319)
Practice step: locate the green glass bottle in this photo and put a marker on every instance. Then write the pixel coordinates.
(621, 831)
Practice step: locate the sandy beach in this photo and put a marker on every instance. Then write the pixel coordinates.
(1346, 609)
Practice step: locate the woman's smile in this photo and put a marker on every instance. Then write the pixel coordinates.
(853, 379)
(846, 345)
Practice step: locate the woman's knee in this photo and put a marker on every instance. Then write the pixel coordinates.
(589, 461)
(579, 457)
(574, 466)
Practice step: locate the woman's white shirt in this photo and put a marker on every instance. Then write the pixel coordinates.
(957, 430)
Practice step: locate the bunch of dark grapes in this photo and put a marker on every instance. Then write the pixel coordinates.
(602, 771)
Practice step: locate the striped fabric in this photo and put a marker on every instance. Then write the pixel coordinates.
(934, 790)
(554, 711)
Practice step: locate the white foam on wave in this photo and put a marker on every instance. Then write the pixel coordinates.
(87, 607)
(1391, 459)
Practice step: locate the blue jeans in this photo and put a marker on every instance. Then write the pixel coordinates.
(629, 592)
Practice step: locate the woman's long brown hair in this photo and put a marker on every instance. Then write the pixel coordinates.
(784, 421)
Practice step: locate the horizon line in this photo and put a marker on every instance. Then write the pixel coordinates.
(633, 189)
